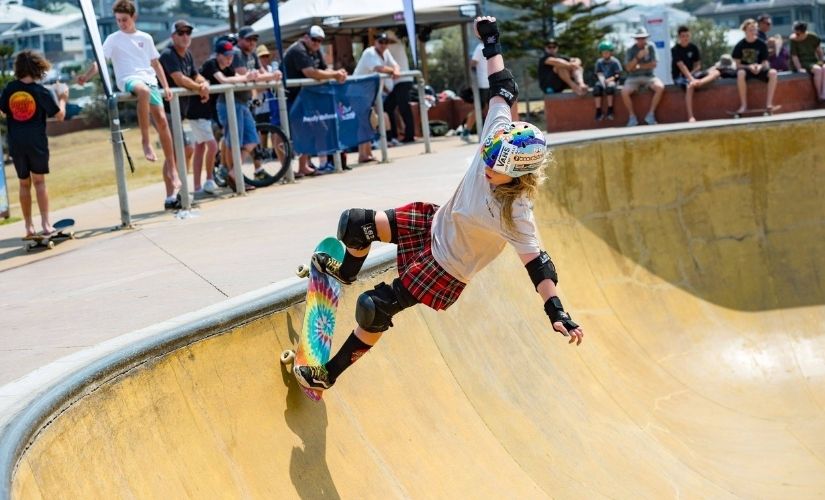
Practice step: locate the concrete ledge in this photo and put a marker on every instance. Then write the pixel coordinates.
(29, 403)
(567, 111)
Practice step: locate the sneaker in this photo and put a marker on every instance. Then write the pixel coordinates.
(209, 187)
(313, 377)
(465, 135)
(326, 168)
(610, 114)
(598, 115)
(174, 204)
(393, 143)
(650, 119)
(261, 174)
(632, 122)
(328, 265)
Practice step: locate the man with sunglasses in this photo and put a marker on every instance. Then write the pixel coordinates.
(764, 23)
(304, 59)
(179, 69)
(376, 59)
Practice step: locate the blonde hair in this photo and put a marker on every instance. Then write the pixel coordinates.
(526, 186)
(747, 24)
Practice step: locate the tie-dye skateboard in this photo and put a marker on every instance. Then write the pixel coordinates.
(323, 293)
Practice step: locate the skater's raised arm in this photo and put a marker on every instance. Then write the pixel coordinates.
(544, 277)
(503, 86)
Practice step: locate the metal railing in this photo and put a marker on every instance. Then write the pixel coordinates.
(228, 90)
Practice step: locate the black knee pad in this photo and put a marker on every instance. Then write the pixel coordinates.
(356, 228)
(375, 308)
(393, 226)
(598, 90)
(610, 90)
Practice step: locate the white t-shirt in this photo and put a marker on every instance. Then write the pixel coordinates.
(370, 59)
(467, 231)
(481, 67)
(131, 55)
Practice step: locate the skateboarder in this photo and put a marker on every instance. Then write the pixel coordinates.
(27, 104)
(441, 248)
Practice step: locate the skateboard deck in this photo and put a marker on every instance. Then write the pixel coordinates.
(62, 232)
(755, 112)
(323, 293)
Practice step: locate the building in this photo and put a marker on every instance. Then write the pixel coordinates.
(61, 37)
(731, 13)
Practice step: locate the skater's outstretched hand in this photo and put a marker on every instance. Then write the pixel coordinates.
(576, 334)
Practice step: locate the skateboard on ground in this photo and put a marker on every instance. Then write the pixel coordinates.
(755, 112)
(323, 293)
(62, 232)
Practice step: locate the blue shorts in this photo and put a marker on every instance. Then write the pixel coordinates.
(246, 123)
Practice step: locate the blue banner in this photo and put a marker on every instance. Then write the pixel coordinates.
(333, 117)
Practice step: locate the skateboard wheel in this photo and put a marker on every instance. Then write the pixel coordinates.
(287, 356)
(302, 271)
(50, 245)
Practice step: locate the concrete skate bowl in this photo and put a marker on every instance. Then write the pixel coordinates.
(695, 261)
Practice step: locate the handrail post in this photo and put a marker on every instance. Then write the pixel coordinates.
(283, 112)
(180, 152)
(425, 117)
(382, 127)
(120, 172)
(234, 138)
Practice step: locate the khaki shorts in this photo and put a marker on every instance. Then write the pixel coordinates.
(634, 83)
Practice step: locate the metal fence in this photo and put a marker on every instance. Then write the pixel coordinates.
(228, 90)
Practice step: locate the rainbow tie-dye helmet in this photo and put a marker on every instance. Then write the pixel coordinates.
(515, 149)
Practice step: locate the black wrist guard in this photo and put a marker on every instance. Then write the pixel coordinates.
(542, 268)
(503, 84)
(488, 32)
(555, 311)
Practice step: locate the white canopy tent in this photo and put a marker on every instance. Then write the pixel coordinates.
(297, 16)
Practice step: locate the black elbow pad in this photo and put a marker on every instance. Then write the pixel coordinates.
(542, 268)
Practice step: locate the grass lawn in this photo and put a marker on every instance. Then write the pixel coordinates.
(83, 168)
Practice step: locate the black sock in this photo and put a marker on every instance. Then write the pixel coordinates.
(351, 265)
(610, 109)
(349, 353)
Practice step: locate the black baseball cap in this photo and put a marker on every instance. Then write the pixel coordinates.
(247, 32)
(181, 25)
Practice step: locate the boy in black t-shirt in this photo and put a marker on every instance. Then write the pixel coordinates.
(27, 105)
(751, 56)
(686, 68)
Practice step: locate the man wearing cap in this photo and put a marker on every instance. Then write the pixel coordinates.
(179, 68)
(376, 59)
(304, 59)
(640, 60)
(245, 62)
(558, 72)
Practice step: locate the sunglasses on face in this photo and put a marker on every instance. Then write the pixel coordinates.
(317, 40)
(383, 42)
(251, 39)
(184, 32)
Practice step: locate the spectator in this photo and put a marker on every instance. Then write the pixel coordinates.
(400, 96)
(778, 55)
(764, 23)
(608, 71)
(137, 71)
(479, 66)
(245, 63)
(26, 105)
(806, 54)
(751, 56)
(558, 72)
(200, 115)
(304, 59)
(179, 69)
(261, 108)
(640, 61)
(686, 68)
(376, 59)
(220, 70)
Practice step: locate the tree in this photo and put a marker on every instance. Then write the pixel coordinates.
(710, 39)
(574, 26)
(199, 8)
(6, 51)
(447, 61)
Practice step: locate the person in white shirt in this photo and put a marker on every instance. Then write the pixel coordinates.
(138, 70)
(440, 249)
(479, 65)
(376, 59)
(400, 96)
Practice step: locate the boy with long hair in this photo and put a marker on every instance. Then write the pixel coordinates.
(440, 249)
(27, 104)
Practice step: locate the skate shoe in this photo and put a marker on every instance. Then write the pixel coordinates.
(313, 377)
(329, 265)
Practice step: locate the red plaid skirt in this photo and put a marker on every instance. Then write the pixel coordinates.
(419, 272)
